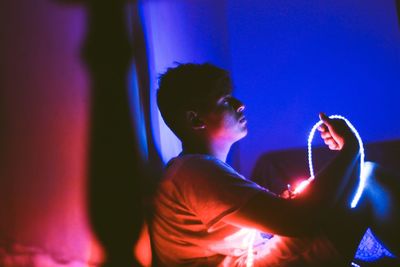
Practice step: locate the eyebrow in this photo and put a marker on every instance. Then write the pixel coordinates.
(221, 92)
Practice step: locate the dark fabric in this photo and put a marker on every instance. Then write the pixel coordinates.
(274, 170)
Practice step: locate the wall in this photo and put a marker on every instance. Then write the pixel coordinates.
(292, 59)
(44, 126)
(289, 61)
(182, 31)
(46, 119)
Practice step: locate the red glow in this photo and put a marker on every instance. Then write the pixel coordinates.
(301, 186)
(142, 249)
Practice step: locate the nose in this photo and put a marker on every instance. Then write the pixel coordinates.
(238, 105)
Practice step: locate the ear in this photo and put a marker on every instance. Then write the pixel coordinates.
(194, 120)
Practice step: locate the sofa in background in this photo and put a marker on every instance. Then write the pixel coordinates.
(275, 170)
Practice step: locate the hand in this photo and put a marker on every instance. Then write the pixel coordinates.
(287, 194)
(336, 133)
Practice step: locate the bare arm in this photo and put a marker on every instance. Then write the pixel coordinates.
(300, 216)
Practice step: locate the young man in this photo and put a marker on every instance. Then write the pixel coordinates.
(206, 214)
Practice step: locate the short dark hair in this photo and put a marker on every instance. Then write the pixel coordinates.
(189, 87)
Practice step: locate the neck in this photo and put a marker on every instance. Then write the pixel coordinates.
(216, 149)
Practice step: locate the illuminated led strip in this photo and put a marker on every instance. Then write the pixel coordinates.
(305, 183)
(250, 255)
(362, 181)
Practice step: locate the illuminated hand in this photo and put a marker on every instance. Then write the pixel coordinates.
(286, 194)
(335, 132)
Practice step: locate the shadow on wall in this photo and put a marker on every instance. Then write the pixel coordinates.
(118, 181)
(114, 201)
(398, 10)
(71, 171)
(116, 168)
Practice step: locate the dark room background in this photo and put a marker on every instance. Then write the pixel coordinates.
(289, 60)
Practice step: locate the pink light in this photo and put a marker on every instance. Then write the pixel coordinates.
(142, 249)
(301, 186)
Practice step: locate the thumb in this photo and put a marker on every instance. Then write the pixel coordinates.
(325, 119)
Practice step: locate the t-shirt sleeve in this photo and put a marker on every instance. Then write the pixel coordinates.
(212, 189)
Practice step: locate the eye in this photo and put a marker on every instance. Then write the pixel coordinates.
(225, 100)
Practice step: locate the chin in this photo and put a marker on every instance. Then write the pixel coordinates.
(242, 134)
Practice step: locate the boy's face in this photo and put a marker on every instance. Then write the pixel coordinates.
(224, 119)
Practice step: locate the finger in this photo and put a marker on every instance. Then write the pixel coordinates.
(330, 142)
(322, 128)
(325, 135)
(325, 119)
(333, 147)
(285, 194)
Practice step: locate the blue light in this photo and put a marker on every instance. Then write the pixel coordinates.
(363, 175)
(370, 249)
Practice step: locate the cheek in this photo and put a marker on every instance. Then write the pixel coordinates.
(227, 126)
(224, 124)
(225, 120)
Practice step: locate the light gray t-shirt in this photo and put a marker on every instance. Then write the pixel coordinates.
(195, 194)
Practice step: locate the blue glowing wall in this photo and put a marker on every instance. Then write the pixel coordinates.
(293, 59)
(289, 60)
(182, 31)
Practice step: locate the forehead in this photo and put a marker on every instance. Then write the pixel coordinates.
(218, 93)
(211, 101)
(206, 97)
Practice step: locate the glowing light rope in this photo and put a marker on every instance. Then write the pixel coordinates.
(250, 241)
(305, 183)
(363, 177)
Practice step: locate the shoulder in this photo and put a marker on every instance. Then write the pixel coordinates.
(203, 165)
